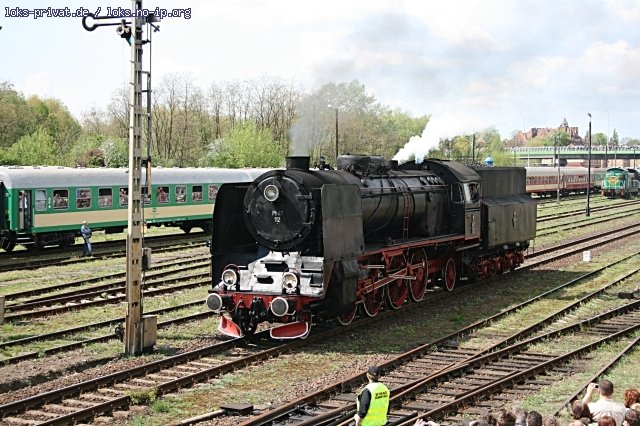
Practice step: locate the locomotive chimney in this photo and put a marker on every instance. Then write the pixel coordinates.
(298, 162)
(393, 164)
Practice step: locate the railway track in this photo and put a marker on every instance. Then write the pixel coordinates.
(582, 244)
(438, 379)
(159, 244)
(538, 257)
(68, 405)
(555, 216)
(157, 271)
(166, 286)
(103, 245)
(113, 293)
(541, 232)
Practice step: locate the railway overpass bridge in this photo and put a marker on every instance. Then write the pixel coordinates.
(601, 156)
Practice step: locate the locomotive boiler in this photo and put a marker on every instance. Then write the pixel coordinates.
(297, 244)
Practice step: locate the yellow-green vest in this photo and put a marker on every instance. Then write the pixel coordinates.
(377, 413)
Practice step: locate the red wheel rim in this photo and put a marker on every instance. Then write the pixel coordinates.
(373, 302)
(418, 287)
(347, 317)
(449, 274)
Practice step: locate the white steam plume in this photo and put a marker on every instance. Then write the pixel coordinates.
(440, 126)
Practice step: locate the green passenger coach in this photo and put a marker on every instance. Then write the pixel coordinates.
(46, 205)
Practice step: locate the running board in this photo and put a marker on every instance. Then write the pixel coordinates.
(294, 330)
(229, 328)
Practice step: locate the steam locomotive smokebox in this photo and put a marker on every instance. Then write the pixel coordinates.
(363, 164)
(298, 162)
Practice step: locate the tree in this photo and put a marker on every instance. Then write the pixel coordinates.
(118, 113)
(16, 119)
(599, 139)
(364, 125)
(37, 148)
(52, 116)
(115, 152)
(246, 146)
(614, 139)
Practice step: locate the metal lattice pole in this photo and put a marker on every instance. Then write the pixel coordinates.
(134, 329)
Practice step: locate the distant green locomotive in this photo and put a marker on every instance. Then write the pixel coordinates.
(621, 182)
(42, 206)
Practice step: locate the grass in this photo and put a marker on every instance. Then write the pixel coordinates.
(339, 358)
(86, 316)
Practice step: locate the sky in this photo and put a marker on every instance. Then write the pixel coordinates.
(470, 64)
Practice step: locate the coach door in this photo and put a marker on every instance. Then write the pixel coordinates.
(24, 210)
(4, 211)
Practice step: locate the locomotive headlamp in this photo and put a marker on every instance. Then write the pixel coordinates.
(289, 282)
(271, 193)
(229, 277)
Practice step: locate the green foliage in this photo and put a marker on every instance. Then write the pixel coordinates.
(615, 141)
(143, 396)
(160, 406)
(115, 152)
(559, 137)
(458, 148)
(86, 152)
(52, 116)
(599, 139)
(15, 116)
(246, 146)
(397, 127)
(34, 149)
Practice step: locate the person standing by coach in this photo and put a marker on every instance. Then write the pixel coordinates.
(372, 401)
(85, 231)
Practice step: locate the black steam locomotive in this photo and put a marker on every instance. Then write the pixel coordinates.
(300, 244)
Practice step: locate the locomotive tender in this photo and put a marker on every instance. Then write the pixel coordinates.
(299, 244)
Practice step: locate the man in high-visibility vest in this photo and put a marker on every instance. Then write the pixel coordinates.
(372, 401)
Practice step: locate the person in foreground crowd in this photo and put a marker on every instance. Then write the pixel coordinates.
(581, 412)
(632, 418)
(605, 406)
(631, 396)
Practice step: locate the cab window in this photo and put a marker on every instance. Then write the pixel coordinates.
(83, 198)
(41, 200)
(472, 192)
(60, 199)
(457, 193)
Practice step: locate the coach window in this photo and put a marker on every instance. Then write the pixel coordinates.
(213, 192)
(181, 194)
(163, 194)
(105, 197)
(146, 198)
(83, 198)
(41, 200)
(196, 193)
(60, 199)
(124, 196)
